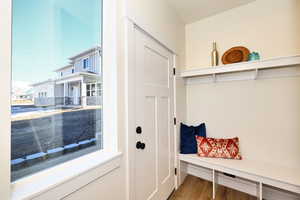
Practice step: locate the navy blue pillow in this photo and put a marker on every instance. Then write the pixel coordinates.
(188, 143)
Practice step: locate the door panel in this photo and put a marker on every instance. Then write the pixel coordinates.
(164, 139)
(156, 63)
(154, 165)
(148, 167)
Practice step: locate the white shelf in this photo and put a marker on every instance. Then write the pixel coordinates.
(243, 66)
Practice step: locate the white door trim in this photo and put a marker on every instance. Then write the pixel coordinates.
(130, 27)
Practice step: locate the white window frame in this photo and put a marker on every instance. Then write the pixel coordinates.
(63, 179)
(5, 85)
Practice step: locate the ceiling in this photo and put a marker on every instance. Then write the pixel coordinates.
(194, 10)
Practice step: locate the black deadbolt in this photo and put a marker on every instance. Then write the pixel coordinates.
(138, 130)
(140, 145)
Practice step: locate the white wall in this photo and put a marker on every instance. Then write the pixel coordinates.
(270, 27)
(106, 188)
(160, 20)
(265, 114)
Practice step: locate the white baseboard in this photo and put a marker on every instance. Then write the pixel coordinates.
(243, 185)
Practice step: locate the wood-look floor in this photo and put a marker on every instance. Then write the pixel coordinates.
(195, 188)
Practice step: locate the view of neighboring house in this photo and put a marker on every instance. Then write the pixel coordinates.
(77, 84)
(22, 99)
(22, 93)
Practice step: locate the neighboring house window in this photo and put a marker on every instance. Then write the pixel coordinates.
(61, 74)
(91, 89)
(85, 63)
(88, 90)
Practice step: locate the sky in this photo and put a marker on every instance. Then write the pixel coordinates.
(48, 32)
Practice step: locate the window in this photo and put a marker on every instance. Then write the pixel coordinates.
(94, 89)
(41, 94)
(85, 63)
(91, 89)
(43, 131)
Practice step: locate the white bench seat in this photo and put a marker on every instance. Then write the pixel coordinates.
(262, 173)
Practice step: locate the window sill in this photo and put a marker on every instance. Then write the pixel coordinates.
(99, 162)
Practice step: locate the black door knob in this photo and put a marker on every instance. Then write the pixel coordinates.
(138, 130)
(140, 145)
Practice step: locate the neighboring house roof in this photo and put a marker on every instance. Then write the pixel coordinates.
(97, 48)
(42, 83)
(62, 68)
(91, 50)
(78, 74)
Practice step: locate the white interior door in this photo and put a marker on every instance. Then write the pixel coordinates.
(154, 154)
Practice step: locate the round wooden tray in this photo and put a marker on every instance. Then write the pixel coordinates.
(235, 55)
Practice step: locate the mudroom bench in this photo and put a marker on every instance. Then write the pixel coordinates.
(245, 175)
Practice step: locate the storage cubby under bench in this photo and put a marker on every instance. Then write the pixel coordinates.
(261, 173)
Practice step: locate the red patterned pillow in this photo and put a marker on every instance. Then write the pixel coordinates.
(218, 148)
